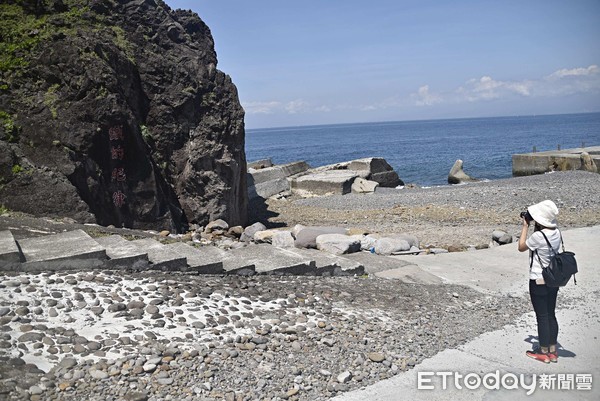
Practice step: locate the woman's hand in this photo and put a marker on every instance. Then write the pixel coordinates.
(523, 237)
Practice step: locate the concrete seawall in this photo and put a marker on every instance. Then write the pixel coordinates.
(556, 160)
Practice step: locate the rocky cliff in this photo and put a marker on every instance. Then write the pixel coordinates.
(114, 112)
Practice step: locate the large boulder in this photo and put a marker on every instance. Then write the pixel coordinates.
(457, 175)
(119, 116)
(338, 244)
(248, 234)
(307, 237)
(388, 246)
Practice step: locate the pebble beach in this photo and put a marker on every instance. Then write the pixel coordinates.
(111, 335)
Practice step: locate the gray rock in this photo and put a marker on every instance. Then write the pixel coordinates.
(307, 237)
(338, 244)
(249, 231)
(218, 224)
(388, 246)
(98, 374)
(344, 377)
(68, 363)
(376, 356)
(136, 305)
(31, 337)
(282, 239)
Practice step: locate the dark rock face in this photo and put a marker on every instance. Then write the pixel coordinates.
(118, 115)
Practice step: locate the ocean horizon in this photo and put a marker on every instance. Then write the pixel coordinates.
(423, 151)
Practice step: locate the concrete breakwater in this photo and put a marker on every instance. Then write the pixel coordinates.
(587, 159)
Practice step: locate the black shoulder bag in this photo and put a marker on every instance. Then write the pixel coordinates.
(561, 267)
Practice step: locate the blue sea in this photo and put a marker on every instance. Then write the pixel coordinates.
(423, 152)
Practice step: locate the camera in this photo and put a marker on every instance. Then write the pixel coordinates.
(525, 215)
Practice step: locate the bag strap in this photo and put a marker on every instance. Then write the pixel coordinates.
(548, 242)
(539, 259)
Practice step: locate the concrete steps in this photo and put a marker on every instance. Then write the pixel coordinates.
(10, 255)
(71, 250)
(204, 260)
(123, 254)
(161, 257)
(76, 250)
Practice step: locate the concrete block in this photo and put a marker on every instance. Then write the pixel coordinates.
(10, 255)
(294, 168)
(387, 179)
(269, 188)
(260, 164)
(71, 250)
(201, 260)
(332, 182)
(362, 186)
(123, 254)
(266, 174)
(373, 164)
(161, 257)
(555, 160)
(268, 259)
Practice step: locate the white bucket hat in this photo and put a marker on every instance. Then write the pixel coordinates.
(544, 213)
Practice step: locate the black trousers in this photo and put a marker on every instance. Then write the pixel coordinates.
(543, 299)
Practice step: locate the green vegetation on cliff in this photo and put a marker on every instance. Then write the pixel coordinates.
(25, 26)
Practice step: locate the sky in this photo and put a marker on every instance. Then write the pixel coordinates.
(344, 61)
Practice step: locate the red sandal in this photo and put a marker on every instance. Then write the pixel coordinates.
(538, 355)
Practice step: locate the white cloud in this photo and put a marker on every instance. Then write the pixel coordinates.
(575, 72)
(290, 107)
(261, 107)
(296, 106)
(425, 98)
(487, 88)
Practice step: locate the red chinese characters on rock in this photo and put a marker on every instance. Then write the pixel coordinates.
(117, 153)
(118, 174)
(116, 133)
(116, 138)
(119, 199)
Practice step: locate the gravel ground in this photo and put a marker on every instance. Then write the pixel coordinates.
(460, 216)
(155, 336)
(115, 336)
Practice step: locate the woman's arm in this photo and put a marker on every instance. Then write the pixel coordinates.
(523, 237)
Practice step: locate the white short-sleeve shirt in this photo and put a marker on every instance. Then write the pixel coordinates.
(537, 242)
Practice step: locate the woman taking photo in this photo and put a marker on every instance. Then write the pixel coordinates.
(543, 298)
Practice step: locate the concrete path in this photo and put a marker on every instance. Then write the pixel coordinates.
(498, 354)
